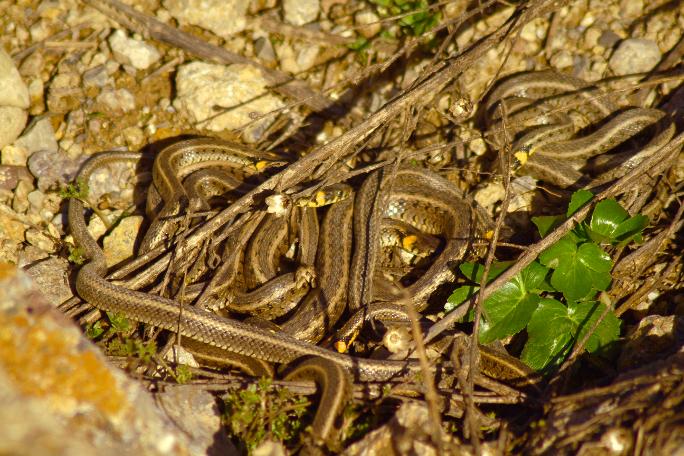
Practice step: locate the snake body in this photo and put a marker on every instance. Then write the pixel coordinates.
(537, 105)
(338, 263)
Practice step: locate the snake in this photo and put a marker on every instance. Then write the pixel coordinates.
(216, 338)
(544, 110)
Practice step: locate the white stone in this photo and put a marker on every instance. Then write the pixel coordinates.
(300, 12)
(13, 90)
(129, 51)
(635, 55)
(222, 17)
(240, 89)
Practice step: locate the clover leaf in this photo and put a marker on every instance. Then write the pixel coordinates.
(610, 222)
(508, 310)
(577, 269)
(553, 327)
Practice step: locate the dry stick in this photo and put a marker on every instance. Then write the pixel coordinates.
(147, 25)
(431, 396)
(650, 284)
(471, 416)
(659, 158)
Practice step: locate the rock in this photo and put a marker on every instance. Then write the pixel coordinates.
(13, 155)
(10, 176)
(406, 433)
(51, 276)
(130, 51)
(240, 89)
(117, 100)
(197, 416)
(11, 228)
(12, 121)
(222, 17)
(264, 50)
(120, 242)
(368, 22)
(13, 90)
(97, 77)
(20, 202)
(37, 238)
(134, 137)
(65, 93)
(40, 135)
(53, 169)
(634, 55)
(60, 395)
(300, 12)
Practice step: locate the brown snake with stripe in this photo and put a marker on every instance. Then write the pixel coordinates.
(347, 249)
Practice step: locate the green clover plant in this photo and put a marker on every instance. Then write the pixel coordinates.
(555, 297)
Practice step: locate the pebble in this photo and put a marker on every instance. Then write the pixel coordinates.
(52, 278)
(634, 55)
(12, 121)
(368, 22)
(13, 155)
(97, 77)
(129, 51)
(40, 135)
(20, 202)
(53, 169)
(11, 228)
(14, 100)
(119, 244)
(263, 50)
(300, 12)
(13, 90)
(65, 93)
(222, 17)
(241, 89)
(38, 239)
(195, 414)
(117, 100)
(11, 174)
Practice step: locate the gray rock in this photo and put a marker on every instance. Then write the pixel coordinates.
(130, 51)
(406, 433)
(196, 414)
(53, 169)
(222, 17)
(634, 55)
(240, 89)
(51, 276)
(10, 176)
(38, 136)
(300, 12)
(60, 396)
(13, 90)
